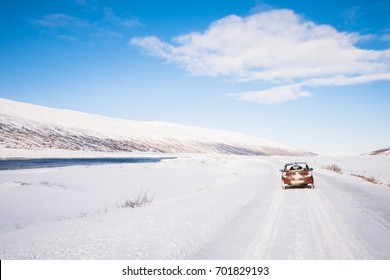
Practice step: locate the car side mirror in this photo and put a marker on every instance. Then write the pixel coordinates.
(311, 169)
(281, 170)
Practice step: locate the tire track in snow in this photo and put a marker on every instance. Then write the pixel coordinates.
(236, 236)
(302, 224)
(260, 247)
(334, 239)
(305, 224)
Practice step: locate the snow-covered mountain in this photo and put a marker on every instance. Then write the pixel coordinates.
(27, 126)
(384, 151)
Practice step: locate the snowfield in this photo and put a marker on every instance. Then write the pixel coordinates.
(204, 207)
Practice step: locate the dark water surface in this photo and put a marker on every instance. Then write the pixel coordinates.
(15, 164)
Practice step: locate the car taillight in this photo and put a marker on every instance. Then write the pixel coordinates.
(310, 180)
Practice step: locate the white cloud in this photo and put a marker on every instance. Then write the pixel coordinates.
(272, 46)
(343, 80)
(274, 95)
(110, 26)
(60, 21)
(101, 32)
(112, 18)
(385, 37)
(352, 14)
(67, 38)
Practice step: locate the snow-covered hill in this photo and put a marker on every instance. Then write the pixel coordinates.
(27, 126)
(384, 151)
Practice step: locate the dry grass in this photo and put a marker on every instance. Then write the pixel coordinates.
(334, 168)
(370, 179)
(141, 200)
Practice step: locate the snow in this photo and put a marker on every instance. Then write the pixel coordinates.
(28, 125)
(383, 151)
(205, 207)
(375, 166)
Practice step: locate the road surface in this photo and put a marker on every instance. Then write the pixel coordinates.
(340, 219)
(205, 207)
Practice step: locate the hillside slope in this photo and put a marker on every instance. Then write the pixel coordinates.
(27, 126)
(384, 151)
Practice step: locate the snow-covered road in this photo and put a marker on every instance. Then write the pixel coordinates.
(339, 220)
(223, 207)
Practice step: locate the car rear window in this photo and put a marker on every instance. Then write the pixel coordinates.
(297, 166)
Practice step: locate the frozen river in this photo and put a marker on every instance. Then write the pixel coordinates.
(16, 164)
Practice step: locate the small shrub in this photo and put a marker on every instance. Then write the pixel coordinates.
(83, 213)
(370, 179)
(19, 226)
(141, 200)
(334, 168)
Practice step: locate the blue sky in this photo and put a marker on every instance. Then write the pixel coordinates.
(310, 74)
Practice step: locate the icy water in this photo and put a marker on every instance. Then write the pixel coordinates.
(15, 164)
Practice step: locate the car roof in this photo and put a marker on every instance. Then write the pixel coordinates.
(296, 162)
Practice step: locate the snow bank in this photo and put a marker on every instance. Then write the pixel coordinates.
(71, 212)
(376, 166)
(204, 207)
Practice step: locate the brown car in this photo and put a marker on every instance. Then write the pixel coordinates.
(297, 174)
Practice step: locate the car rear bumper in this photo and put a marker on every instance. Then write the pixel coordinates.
(297, 184)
